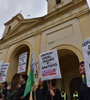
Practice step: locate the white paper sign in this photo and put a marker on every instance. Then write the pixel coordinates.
(22, 63)
(1, 62)
(34, 67)
(49, 65)
(86, 52)
(3, 72)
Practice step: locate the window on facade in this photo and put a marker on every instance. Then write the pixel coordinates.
(9, 28)
(58, 1)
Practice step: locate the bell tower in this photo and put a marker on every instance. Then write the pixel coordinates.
(55, 4)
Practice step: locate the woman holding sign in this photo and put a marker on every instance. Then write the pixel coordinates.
(42, 92)
(55, 94)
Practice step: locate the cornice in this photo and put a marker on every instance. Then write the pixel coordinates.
(13, 32)
(68, 18)
(15, 17)
(10, 35)
(19, 39)
(63, 9)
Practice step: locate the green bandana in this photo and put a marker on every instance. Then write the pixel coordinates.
(84, 80)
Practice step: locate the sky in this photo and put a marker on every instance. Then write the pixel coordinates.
(10, 8)
(28, 8)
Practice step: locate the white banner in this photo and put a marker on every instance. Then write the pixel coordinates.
(1, 62)
(22, 63)
(49, 65)
(3, 72)
(86, 52)
(34, 67)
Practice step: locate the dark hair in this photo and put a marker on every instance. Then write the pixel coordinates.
(53, 82)
(14, 85)
(5, 83)
(82, 62)
(63, 90)
(24, 76)
(44, 85)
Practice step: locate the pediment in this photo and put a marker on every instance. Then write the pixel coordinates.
(23, 24)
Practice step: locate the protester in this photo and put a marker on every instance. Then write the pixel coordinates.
(12, 91)
(20, 91)
(42, 92)
(84, 90)
(63, 95)
(55, 93)
(75, 95)
(3, 91)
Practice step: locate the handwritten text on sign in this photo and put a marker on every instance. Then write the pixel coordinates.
(22, 62)
(86, 52)
(49, 65)
(3, 72)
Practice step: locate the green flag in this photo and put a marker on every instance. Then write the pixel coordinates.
(30, 83)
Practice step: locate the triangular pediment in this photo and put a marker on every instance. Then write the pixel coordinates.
(22, 25)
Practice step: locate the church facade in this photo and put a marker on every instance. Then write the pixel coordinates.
(64, 28)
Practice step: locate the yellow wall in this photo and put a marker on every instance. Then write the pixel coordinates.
(85, 24)
(62, 29)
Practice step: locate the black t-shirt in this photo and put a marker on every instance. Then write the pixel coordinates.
(84, 93)
(42, 94)
(57, 94)
(20, 92)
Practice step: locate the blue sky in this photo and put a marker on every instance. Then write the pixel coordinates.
(9, 8)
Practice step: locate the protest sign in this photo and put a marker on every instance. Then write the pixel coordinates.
(86, 52)
(22, 63)
(1, 62)
(49, 65)
(3, 72)
(34, 67)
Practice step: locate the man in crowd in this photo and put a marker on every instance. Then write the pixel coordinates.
(21, 90)
(75, 95)
(84, 90)
(63, 95)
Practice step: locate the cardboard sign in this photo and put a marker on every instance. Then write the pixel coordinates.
(34, 67)
(86, 52)
(49, 65)
(3, 72)
(22, 63)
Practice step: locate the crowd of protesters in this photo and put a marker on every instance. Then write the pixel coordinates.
(45, 91)
(14, 91)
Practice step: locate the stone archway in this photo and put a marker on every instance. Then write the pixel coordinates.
(69, 62)
(75, 85)
(13, 60)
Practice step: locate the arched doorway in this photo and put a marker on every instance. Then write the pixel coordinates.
(69, 69)
(14, 60)
(75, 85)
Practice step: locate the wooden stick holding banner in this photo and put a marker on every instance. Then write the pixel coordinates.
(31, 97)
(34, 95)
(51, 89)
(49, 83)
(34, 92)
